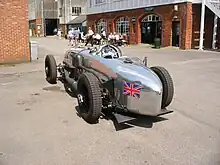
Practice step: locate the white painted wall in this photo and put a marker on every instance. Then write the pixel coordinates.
(31, 10)
(101, 6)
(67, 5)
(35, 8)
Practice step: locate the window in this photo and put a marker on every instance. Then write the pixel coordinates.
(60, 12)
(151, 18)
(76, 10)
(99, 1)
(32, 25)
(102, 23)
(122, 25)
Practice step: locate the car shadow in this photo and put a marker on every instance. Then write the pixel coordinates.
(54, 89)
(137, 121)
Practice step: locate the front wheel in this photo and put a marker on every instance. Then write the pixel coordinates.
(51, 69)
(89, 97)
(167, 82)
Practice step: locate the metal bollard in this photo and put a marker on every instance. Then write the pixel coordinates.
(145, 61)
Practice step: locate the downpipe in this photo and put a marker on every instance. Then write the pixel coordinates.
(71, 82)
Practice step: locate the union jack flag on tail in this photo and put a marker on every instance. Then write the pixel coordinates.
(132, 90)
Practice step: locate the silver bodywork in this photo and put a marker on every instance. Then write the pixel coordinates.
(150, 99)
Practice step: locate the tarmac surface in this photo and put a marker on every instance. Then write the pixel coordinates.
(39, 124)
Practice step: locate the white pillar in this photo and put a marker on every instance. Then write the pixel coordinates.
(214, 32)
(202, 22)
(42, 15)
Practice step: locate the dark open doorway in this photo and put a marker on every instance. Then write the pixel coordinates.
(51, 24)
(151, 27)
(175, 33)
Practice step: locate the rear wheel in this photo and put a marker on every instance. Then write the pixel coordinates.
(51, 69)
(89, 97)
(167, 82)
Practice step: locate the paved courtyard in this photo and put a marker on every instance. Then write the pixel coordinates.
(39, 124)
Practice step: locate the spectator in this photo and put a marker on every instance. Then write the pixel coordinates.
(110, 38)
(97, 39)
(70, 36)
(117, 39)
(89, 36)
(103, 33)
(59, 33)
(55, 31)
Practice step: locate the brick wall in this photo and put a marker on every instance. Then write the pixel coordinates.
(184, 15)
(208, 28)
(38, 22)
(186, 26)
(63, 28)
(196, 26)
(14, 37)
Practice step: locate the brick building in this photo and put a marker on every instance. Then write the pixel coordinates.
(14, 39)
(43, 17)
(176, 23)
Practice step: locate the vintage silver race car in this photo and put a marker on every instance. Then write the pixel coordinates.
(102, 78)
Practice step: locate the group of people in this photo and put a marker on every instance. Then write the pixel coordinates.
(75, 37)
(117, 39)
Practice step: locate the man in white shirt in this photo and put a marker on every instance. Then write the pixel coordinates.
(59, 33)
(110, 38)
(70, 36)
(89, 36)
(83, 37)
(103, 33)
(117, 39)
(97, 38)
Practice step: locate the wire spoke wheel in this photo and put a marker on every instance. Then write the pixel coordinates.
(89, 97)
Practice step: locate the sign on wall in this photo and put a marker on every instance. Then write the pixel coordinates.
(133, 19)
(147, 9)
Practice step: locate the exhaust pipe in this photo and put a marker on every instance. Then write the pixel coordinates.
(71, 83)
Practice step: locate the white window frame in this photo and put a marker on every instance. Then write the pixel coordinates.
(151, 18)
(75, 9)
(124, 23)
(102, 23)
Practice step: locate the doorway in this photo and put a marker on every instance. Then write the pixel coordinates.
(175, 33)
(151, 27)
(51, 24)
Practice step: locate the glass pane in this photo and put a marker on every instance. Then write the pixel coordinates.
(122, 25)
(153, 18)
(102, 23)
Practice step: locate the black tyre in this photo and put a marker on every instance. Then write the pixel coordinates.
(167, 82)
(51, 69)
(89, 97)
